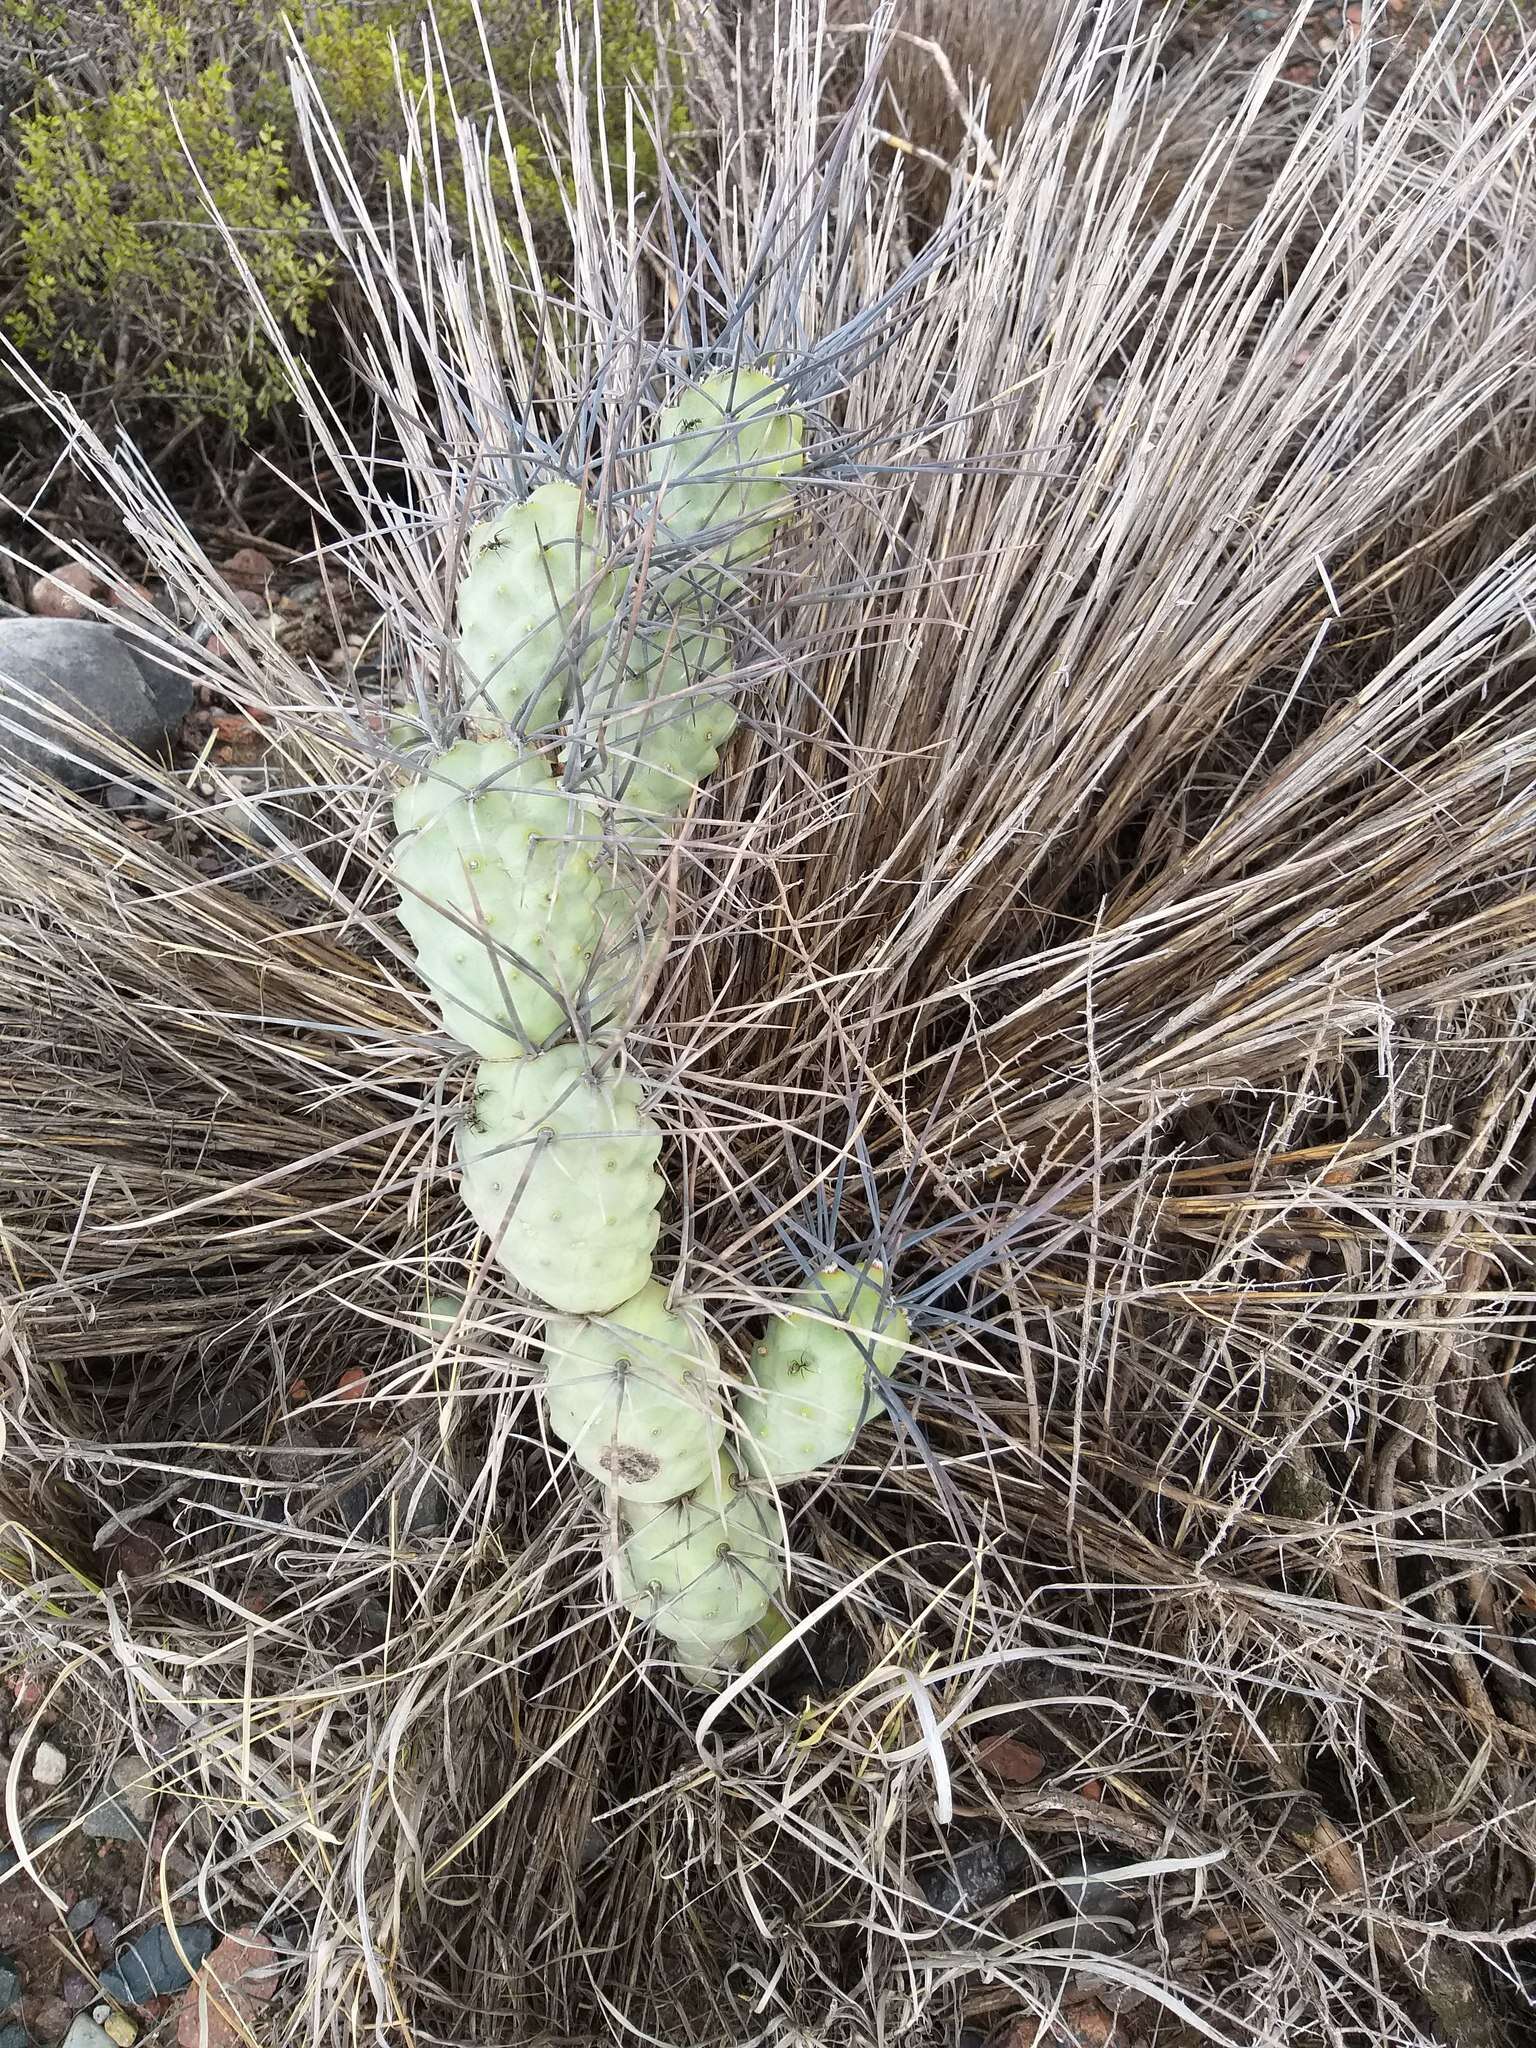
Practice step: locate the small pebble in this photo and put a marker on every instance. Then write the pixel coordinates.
(61, 595)
(15, 2036)
(248, 566)
(81, 1915)
(48, 1764)
(106, 1931)
(121, 2028)
(10, 1982)
(76, 1990)
(85, 2032)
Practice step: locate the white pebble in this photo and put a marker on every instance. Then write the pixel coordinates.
(48, 1764)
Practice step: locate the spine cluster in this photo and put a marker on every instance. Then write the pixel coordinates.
(523, 893)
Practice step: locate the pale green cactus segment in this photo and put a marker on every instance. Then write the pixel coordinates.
(559, 1170)
(636, 1395)
(632, 944)
(703, 1569)
(499, 884)
(708, 1661)
(659, 728)
(534, 606)
(809, 1394)
(722, 456)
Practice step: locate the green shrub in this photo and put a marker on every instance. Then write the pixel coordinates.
(117, 277)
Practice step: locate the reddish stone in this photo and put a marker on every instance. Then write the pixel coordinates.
(247, 568)
(138, 1552)
(251, 601)
(126, 596)
(237, 1978)
(60, 595)
(353, 1384)
(1002, 1756)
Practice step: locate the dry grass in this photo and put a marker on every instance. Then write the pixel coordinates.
(1118, 911)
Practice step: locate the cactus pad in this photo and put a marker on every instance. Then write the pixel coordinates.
(809, 1395)
(636, 1395)
(660, 727)
(631, 946)
(559, 1171)
(534, 605)
(706, 1568)
(723, 452)
(499, 893)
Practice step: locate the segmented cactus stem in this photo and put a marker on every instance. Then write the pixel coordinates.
(522, 898)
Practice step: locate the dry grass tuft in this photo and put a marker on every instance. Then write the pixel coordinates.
(1118, 911)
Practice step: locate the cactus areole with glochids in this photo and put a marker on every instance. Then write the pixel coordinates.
(527, 903)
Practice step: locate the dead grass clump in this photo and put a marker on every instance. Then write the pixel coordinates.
(1117, 912)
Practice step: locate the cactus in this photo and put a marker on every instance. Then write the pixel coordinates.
(636, 1395)
(660, 727)
(559, 1171)
(723, 452)
(534, 605)
(703, 1569)
(526, 929)
(499, 894)
(809, 1395)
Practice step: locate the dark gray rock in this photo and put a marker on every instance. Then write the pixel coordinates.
(15, 2036)
(84, 668)
(1104, 1914)
(81, 1914)
(169, 690)
(359, 1510)
(10, 1982)
(150, 1967)
(110, 1821)
(975, 1878)
(122, 1812)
